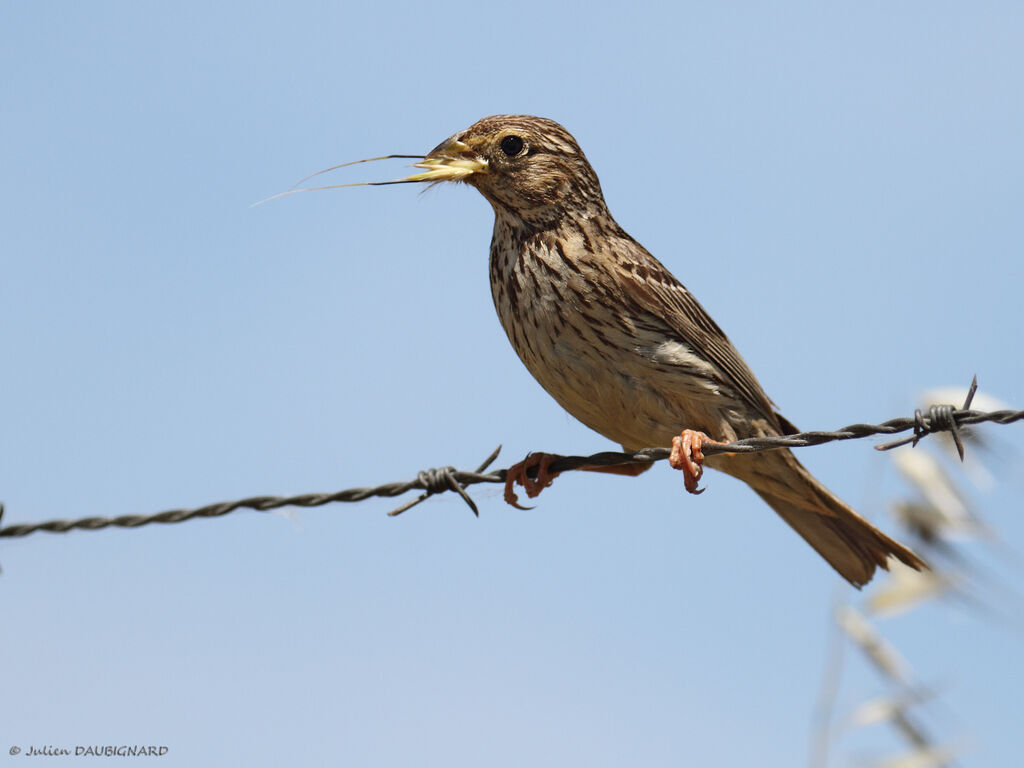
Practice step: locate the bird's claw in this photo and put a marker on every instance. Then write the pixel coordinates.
(688, 455)
(533, 485)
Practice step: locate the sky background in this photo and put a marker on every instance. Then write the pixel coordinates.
(842, 189)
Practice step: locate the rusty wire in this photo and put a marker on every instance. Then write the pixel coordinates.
(945, 418)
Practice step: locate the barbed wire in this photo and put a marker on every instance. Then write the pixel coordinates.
(940, 418)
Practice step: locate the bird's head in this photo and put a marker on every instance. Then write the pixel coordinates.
(527, 167)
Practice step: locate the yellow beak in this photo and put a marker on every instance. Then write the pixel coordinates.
(452, 161)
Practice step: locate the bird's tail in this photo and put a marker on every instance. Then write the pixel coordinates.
(850, 544)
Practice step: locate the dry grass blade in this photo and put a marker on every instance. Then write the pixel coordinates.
(293, 188)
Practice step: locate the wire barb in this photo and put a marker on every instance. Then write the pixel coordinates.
(941, 418)
(434, 481)
(441, 480)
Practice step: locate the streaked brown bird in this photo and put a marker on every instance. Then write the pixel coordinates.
(620, 343)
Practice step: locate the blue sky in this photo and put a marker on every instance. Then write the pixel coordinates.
(841, 187)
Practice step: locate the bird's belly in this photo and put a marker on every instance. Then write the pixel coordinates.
(636, 390)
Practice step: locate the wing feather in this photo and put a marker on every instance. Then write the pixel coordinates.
(664, 304)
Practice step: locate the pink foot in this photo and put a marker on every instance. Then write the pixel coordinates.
(688, 455)
(533, 486)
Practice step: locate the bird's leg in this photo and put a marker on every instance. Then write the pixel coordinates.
(632, 470)
(517, 474)
(688, 455)
(533, 486)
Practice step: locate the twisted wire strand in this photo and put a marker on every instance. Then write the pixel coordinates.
(434, 481)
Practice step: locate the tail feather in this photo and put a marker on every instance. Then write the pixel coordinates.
(850, 544)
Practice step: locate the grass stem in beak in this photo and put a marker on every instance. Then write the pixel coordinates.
(293, 188)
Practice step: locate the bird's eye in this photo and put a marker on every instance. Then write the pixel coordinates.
(512, 145)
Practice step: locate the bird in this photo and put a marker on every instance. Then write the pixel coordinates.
(621, 344)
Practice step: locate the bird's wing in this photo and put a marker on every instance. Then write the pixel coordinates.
(663, 303)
